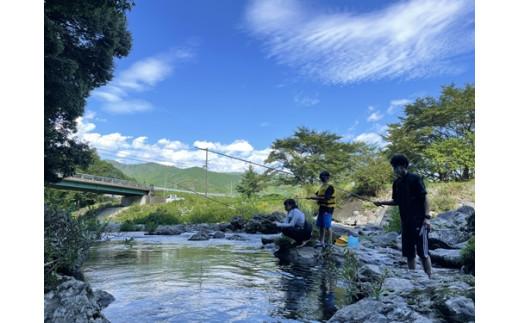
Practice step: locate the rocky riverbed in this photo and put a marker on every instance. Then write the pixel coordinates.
(386, 290)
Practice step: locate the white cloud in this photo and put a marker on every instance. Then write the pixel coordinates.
(127, 149)
(141, 76)
(145, 73)
(375, 116)
(128, 106)
(306, 100)
(408, 39)
(394, 104)
(371, 138)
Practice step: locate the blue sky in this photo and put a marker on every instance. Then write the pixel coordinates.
(236, 75)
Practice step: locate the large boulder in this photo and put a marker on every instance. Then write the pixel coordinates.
(237, 223)
(264, 224)
(451, 228)
(74, 301)
(450, 258)
(458, 309)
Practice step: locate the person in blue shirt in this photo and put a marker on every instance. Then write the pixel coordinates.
(295, 226)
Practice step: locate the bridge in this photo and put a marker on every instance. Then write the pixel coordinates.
(131, 191)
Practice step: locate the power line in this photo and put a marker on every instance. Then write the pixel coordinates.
(247, 161)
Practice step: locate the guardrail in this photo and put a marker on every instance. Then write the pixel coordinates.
(110, 180)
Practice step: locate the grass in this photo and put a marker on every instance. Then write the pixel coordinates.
(446, 196)
(394, 224)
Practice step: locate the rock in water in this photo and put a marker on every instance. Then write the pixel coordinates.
(219, 235)
(201, 235)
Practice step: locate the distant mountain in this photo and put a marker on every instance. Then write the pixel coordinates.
(172, 177)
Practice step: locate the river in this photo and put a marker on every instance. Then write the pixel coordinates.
(171, 279)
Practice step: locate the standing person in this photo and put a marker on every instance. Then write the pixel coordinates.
(295, 226)
(326, 201)
(409, 193)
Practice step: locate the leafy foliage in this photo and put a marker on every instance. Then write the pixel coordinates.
(438, 135)
(468, 256)
(309, 152)
(66, 242)
(81, 40)
(251, 183)
(394, 224)
(372, 174)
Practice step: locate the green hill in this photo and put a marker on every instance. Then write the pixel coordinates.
(172, 177)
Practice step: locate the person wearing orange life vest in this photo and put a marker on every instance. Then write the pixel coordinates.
(326, 199)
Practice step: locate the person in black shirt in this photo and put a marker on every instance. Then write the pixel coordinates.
(409, 193)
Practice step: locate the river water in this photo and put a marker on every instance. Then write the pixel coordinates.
(171, 279)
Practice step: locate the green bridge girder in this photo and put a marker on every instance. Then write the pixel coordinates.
(96, 184)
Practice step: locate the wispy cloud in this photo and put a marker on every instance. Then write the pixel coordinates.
(129, 149)
(141, 76)
(395, 104)
(306, 100)
(371, 138)
(374, 116)
(409, 39)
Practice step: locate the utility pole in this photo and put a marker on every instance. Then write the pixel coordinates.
(206, 172)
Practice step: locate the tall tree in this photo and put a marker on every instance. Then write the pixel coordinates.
(309, 152)
(81, 40)
(438, 135)
(251, 183)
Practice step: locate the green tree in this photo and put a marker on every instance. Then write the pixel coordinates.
(81, 40)
(372, 173)
(438, 135)
(251, 183)
(309, 152)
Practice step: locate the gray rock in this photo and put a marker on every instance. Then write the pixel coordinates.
(170, 229)
(219, 235)
(459, 309)
(386, 240)
(199, 236)
(103, 298)
(366, 310)
(446, 238)
(237, 223)
(450, 258)
(264, 223)
(224, 226)
(369, 273)
(397, 285)
(74, 301)
(236, 237)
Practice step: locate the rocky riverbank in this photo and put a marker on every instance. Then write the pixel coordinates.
(387, 291)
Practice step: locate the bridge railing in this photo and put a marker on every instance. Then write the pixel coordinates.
(95, 178)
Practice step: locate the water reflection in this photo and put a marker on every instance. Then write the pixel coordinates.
(174, 282)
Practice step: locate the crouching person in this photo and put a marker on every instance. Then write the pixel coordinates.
(295, 226)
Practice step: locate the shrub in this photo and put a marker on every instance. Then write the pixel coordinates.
(442, 202)
(468, 256)
(371, 178)
(394, 223)
(66, 242)
(127, 226)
